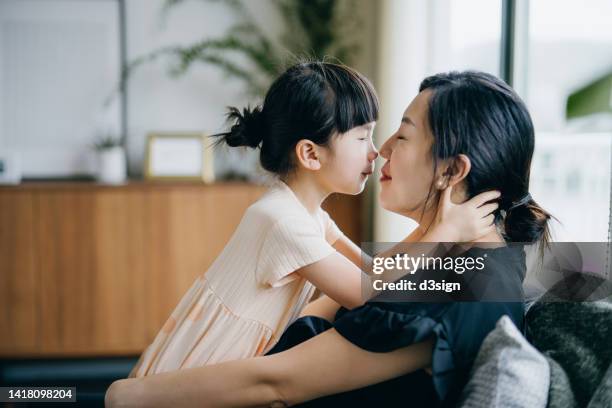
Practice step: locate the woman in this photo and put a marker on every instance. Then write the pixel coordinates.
(467, 130)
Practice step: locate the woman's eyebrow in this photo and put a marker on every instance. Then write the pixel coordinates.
(408, 121)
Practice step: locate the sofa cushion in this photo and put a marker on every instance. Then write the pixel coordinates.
(507, 372)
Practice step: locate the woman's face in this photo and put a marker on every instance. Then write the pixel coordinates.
(407, 174)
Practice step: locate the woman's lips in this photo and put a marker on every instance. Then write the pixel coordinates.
(384, 173)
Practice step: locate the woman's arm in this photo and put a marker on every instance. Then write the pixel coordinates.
(286, 378)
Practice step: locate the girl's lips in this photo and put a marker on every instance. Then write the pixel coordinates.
(367, 173)
(384, 178)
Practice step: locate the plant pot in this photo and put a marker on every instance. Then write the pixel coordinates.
(112, 165)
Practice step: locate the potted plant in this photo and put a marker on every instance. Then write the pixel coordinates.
(111, 162)
(313, 29)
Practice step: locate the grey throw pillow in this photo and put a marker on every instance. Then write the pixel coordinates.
(507, 372)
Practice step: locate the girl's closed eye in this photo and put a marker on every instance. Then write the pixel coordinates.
(366, 137)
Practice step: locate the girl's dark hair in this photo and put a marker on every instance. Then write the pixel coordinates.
(311, 100)
(479, 115)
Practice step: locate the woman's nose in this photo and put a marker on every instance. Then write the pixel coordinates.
(385, 149)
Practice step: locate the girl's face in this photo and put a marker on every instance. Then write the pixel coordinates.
(407, 174)
(349, 160)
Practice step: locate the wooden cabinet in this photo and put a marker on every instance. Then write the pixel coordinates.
(89, 270)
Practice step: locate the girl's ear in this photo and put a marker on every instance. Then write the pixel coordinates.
(454, 171)
(307, 154)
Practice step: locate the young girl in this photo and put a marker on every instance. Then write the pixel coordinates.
(314, 130)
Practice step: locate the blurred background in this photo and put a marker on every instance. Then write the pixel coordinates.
(112, 201)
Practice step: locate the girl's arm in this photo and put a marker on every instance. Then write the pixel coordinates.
(283, 379)
(326, 307)
(341, 277)
(338, 278)
(350, 250)
(323, 306)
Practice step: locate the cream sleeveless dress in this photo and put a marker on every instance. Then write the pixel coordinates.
(240, 307)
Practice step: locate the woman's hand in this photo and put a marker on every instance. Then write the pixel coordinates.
(463, 222)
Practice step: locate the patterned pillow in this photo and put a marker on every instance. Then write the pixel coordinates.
(508, 372)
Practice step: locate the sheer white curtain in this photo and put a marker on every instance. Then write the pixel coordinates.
(403, 52)
(419, 38)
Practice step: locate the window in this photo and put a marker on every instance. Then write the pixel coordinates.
(562, 46)
(558, 47)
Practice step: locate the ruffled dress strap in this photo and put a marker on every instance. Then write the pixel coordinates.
(380, 328)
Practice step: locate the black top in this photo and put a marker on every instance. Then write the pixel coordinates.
(458, 328)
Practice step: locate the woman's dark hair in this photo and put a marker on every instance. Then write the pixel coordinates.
(311, 100)
(479, 115)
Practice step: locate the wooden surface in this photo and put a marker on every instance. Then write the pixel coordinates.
(88, 269)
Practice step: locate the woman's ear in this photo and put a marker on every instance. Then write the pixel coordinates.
(454, 172)
(307, 154)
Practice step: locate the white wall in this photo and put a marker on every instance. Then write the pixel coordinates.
(195, 101)
(58, 63)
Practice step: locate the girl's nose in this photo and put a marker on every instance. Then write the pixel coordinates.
(373, 154)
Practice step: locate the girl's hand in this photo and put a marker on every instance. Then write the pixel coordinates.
(467, 221)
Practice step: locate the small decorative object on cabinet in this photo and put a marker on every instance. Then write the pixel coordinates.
(111, 164)
(10, 167)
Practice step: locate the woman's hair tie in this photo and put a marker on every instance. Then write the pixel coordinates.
(526, 198)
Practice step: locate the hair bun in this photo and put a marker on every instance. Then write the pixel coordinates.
(527, 222)
(247, 129)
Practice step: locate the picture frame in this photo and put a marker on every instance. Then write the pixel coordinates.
(179, 157)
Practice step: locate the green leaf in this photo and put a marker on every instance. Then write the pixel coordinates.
(311, 31)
